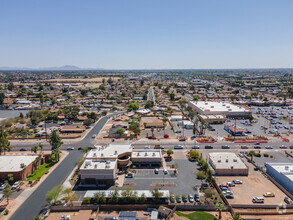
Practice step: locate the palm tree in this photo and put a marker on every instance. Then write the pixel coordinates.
(251, 154)
(165, 120)
(56, 152)
(220, 207)
(34, 149)
(152, 130)
(41, 147)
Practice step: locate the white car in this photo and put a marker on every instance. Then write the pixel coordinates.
(178, 147)
(237, 181)
(70, 148)
(2, 187)
(165, 171)
(258, 200)
(15, 185)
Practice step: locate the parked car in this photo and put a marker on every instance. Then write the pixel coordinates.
(195, 147)
(268, 147)
(70, 148)
(257, 147)
(269, 194)
(196, 197)
(283, 147)
(231, 184)
(15, 185)
(244, 147)
(208, 147)
(156, 171)
(258, 200)
(291, 147)
(229, 195)
(190, 198)
(178, 147)
(165, 171)
(257, 143)
(237, 181)
(178, 131)
(179, 199)
(172, 198)
(22, 149)
(80, 148)
(2, 187)
(241, 155)
(184, 198)
(225, 147)
(94, 136)
(288, 200)
(182, 139)
(129, 175)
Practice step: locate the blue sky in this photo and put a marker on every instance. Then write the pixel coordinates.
(146, 34)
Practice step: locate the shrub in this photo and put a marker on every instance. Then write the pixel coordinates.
(271, 156)
(86, 200)
(257, 155)
(266, 155)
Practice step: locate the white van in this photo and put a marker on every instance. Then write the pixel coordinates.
(258, 200)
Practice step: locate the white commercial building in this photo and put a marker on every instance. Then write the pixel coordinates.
(102, 164)
(227, 164)
(282, 173)
(219, 108)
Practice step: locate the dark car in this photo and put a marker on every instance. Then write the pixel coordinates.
(22, 149)
(291, 147)
(80, 148)
(208, 147)
(225, 147)
(129, 175)
(244, 147)
(257, 147)
(196, 197)
(288, 200)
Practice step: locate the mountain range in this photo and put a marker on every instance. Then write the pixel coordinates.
(63, 68)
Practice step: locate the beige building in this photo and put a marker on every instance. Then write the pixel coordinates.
(213, 119)
(227, 164)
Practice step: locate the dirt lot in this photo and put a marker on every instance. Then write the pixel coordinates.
(269, 217)
(82, 214)
(255, 184)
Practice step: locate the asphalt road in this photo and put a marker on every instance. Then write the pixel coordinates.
(36, 201)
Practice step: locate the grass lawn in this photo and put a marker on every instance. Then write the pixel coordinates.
(198, 215)
(41, 170)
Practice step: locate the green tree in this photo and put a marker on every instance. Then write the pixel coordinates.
(142, 198)
(4, 142)
(172, 96)
(149, 104)
(251, 154)
(37, 217)
(54, 194)
(120, 131)
(34, 149)
(157, 195)
(100, 197)
(236, 216)
(70, 195)
(93, 116)
(41, 147)
(2, 97)
(195, 98)
(194, 154)
(200, 175)
(114, 197)
(7, 192)
(135, 128)
(10, 86)
(88, 122)
(10, 178)
(220, 207)
(133, 106)
(169, 152)
(55, 142)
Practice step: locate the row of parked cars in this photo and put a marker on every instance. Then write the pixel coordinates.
(226, 188)
(189, 198)
(13, 187)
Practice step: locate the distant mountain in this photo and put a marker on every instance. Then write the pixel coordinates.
(61, 68)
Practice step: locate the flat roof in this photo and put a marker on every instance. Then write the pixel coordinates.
(151, 153)
(226, 160)
(208, 106)
(147, 193)
(91, 164)
(111, 151)
(11, 163)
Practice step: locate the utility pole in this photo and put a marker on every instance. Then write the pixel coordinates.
(46, 130)
(235, 129)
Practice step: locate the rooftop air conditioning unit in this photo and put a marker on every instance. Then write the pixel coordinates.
(219, 161)
(108, 162)
(286, 168)
(102, 154)
(116, 152)
(96, 166)
(137, 154)
(234, 160)
(95, 154)
(145, 154)
(154, 154)
(227, 160)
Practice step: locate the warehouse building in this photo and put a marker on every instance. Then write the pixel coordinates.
(219, 108)
(282, 173)
(227, 164)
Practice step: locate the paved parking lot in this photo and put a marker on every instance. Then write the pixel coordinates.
(255, 184)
